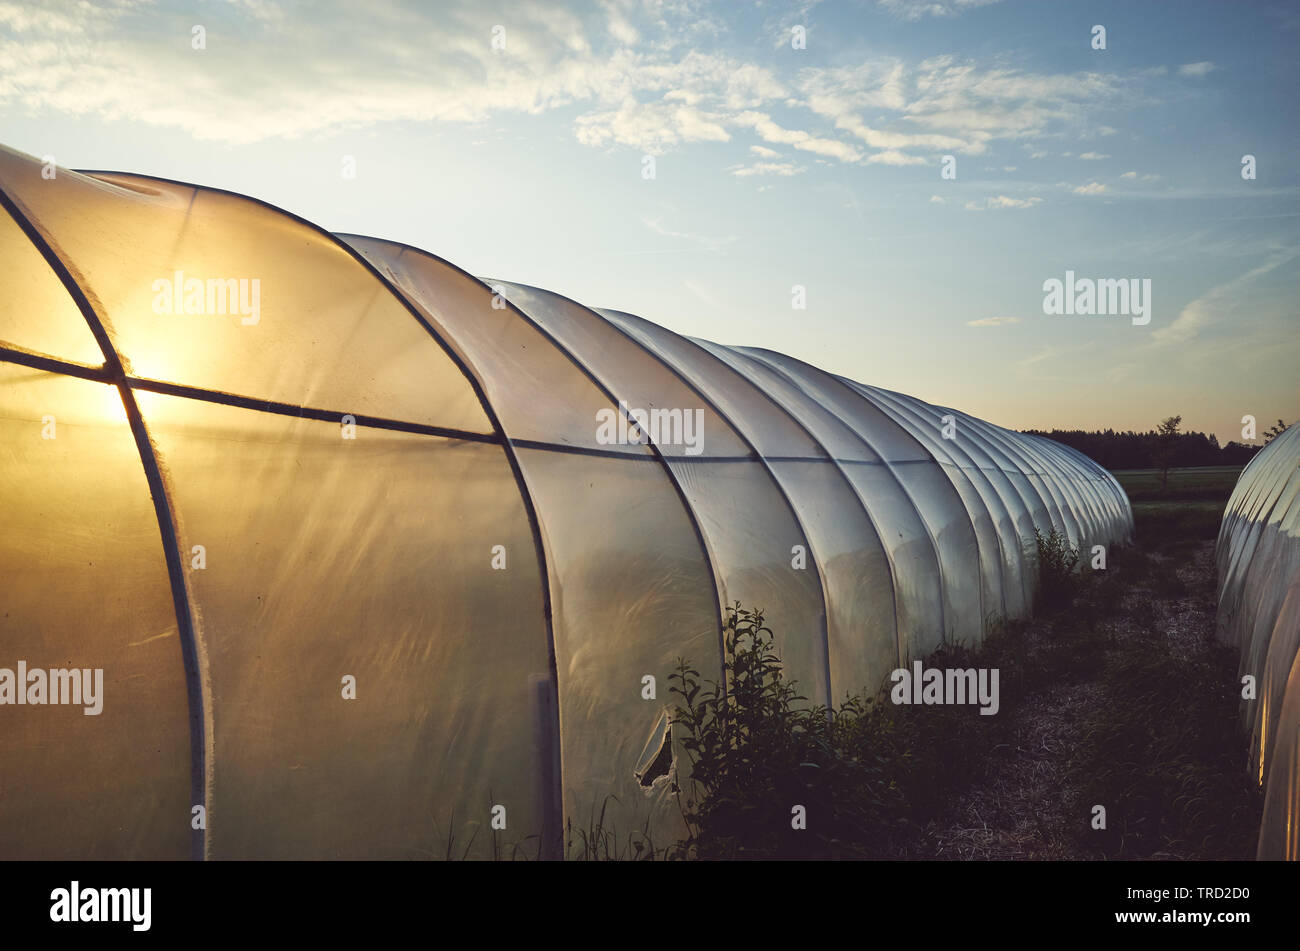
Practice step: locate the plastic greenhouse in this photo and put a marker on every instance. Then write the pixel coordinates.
(1258, 556)
(251, 467)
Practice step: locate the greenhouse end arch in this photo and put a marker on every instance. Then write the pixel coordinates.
(375, 557)
(1258, 556)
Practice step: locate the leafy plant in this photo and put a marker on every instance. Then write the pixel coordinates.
(1056, 564)
(758, 750)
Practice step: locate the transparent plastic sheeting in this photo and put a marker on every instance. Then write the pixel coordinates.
(382, 560)
(1258, 556)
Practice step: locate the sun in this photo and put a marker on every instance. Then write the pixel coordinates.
(110, 406)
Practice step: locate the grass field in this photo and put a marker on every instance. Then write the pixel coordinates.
(1191, 507)
(1207, 484)
(1163, 522)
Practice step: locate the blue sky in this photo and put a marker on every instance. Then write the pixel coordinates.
(774, 167)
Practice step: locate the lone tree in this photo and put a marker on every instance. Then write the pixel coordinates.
(1166, 440)
(1278, 429)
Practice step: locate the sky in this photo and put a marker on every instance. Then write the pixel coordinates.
(912, 171)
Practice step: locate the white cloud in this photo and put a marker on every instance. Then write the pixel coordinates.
(769, 131)
(992, 321)
(703, 293)
(653, 127)
(766, 168)
(937, 200)
(1046, 353)
(619, 27)
(1003, 201)
(792, 14)
(1049, 352)
(1093, 156)
(344, 67)
(625, 69)
(1059, 366)
(895, 157)
(944, 105)
(764, 152)
(918, 9)
(1092, 188)
(1196, 69)
(1201, 313)
(705, 242)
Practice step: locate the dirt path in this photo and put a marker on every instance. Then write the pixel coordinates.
(1026, 805)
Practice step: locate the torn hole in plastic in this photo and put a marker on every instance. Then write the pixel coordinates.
(656, 761)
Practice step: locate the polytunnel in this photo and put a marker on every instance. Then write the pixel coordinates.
(377, 558)
(1258, 557)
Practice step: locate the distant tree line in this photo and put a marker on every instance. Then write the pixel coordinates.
(1156, 449)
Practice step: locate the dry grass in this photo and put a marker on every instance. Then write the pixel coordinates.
(1146, 726)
